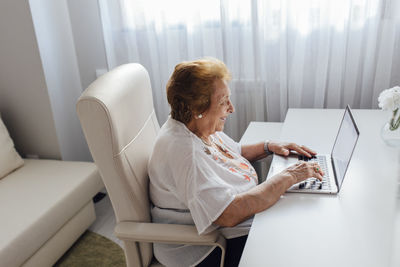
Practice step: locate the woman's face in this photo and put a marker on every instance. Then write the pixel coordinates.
(221, 106)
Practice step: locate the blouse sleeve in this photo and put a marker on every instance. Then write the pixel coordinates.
(205, 193)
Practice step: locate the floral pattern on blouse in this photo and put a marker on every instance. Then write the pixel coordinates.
(224, 156)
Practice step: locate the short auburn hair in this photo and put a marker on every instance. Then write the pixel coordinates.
(191, 85)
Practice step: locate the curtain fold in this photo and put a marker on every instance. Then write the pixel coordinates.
(282, 54)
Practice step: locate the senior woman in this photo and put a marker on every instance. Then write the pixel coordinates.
(198, 175)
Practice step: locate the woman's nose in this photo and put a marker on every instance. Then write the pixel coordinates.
(231, 107)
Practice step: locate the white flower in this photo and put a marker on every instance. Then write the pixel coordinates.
(389, 99)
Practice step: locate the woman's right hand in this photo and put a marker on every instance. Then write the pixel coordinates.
(303, 170)
(266, 194)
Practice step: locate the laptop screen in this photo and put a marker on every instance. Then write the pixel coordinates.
(345, 143)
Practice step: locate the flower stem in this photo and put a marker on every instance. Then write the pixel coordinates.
(395, 123)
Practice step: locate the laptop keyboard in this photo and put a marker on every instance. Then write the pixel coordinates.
(313, 183)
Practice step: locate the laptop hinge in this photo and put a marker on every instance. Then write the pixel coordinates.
(335, 173)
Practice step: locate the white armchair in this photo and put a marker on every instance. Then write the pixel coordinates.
(118, 119)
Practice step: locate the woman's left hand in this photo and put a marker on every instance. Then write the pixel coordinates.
(284, 149)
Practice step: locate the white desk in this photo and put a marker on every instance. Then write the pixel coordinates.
(358, 227)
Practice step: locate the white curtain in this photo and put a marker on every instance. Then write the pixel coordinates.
(282, 54)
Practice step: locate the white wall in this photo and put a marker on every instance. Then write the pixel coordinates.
(49, 53)
(56, 45)
(88, 38)
(24, 99)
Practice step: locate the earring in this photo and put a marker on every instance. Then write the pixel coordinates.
(200, 116)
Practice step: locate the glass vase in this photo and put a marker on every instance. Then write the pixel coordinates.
(389, 136)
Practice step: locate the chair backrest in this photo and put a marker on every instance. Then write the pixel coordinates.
(117, 117)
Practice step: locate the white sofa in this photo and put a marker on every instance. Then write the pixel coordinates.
(45, 205)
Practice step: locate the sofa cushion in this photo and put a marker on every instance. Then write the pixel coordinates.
(37, 200)
(9, 158)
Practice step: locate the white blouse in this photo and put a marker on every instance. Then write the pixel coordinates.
(193, 183)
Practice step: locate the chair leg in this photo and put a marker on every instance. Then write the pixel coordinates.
(133, 259)
(221, 243)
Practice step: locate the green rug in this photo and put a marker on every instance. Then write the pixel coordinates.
(95, 250)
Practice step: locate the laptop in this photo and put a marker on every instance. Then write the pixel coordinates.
(334, 165)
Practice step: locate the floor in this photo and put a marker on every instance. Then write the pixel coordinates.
(105, 220)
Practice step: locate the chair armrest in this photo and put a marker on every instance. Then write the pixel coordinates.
(168, 233)
(164, 233)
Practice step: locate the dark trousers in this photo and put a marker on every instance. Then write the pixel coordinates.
(234, 249)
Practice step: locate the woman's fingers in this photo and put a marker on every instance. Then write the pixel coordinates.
(309, 150)
(303, 170)
(318, 173)
(318, 176)
(317, 168)
(285, 148)
(303, 150)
